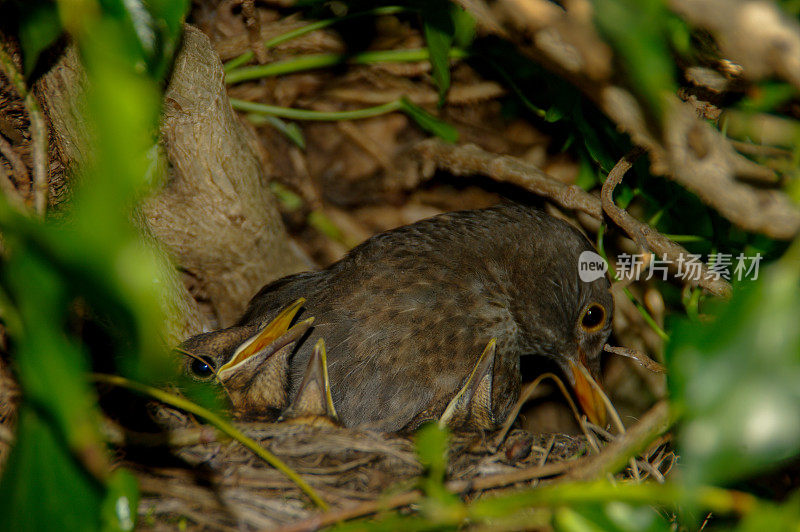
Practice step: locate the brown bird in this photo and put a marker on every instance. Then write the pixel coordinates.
(423, 322)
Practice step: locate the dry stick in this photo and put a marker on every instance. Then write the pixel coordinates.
(184, 437)
(652, 471)
(253, 25)
(760, 149)
(589, 67)
(15, 161)
(611, 459)
(6, 435)
(645, 236)
(6, 184)
(639, 357)
(39, 139)
(759, 36)
(525, 396)
(545, 456)
(616, 454)
(470, 159)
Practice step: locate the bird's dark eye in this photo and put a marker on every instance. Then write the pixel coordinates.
(202, 367)
(593, 317)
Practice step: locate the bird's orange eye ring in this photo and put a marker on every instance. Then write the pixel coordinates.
(593, 317)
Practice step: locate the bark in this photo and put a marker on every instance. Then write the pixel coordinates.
(215, 216)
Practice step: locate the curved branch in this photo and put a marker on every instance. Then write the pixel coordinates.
(470, 159)
(645, 236)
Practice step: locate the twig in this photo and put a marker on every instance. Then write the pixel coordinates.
(760, 149)
(651, 470)
(756, 35)
(10, 191)
(641, 358)
(217, 421)
(186, 437)
(616, 454)
(39, 140)
(470, 159)
(15, 161)
(645, 236)
(6, 436)
(368, 508)
(253, 25)
(525, 396)
(615, 419)
(691, 152)
(545, 456)
(459, 94)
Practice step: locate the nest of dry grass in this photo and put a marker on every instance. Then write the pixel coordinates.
(191, 476)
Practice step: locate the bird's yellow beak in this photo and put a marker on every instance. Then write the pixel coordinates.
(275, 334)
(586, 390)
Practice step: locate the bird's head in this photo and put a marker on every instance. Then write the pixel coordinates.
(250, 361)
(566, 309)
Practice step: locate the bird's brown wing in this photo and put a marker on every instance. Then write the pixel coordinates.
(401, 343)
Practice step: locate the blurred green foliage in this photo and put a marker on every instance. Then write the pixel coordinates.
(58, 475)
(641, 32)
(444, 24)
(737, 380)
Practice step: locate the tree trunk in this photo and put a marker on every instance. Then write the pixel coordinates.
(215, 215)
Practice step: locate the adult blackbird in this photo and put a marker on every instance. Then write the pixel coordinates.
(427, 321)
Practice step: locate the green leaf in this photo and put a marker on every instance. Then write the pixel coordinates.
(58, 476)
(286, 197)
(320, 221)
(464, 25)
(770, 516)
(767, 96)
(39, 27)
(150, 30)
(609, 517)
(291, 130)
(564, 101)
(428, 122)
(596, 142)
(587, 177)
(638, 31)
(44, 487)
(439, 32)
(440, 505)
(431, 441)
(50, 368)
(168, 16)
(737, 380)
(625, 196)
(118, 512)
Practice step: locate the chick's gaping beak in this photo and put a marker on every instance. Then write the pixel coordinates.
(587, 392)
(272, 337)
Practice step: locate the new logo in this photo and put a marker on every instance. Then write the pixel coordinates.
(591, 266)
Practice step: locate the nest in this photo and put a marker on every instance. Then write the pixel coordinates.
(226, 487)
(218, 484)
